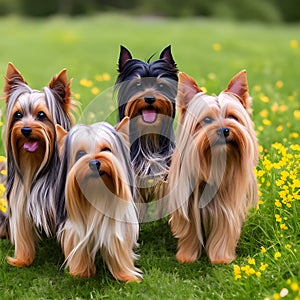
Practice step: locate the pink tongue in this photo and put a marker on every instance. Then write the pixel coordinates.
(149, 115)
(31, 146)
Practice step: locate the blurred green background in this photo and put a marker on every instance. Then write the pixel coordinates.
(263, 10)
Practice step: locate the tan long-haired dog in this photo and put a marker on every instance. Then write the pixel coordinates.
(32, 159)
(212, 180)
(99, 193)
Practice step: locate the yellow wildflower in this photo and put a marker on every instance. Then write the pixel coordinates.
(277, 255)
(86, 83)
(217, 47)
(95, 91)
(297, 114)
(263, 266)
(294, 286)
(279, 84)
(294, 44)
(266, 122)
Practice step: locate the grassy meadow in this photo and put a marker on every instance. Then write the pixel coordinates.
(268, 254)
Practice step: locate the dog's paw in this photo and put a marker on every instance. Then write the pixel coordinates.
(221, 261)
(18, 262)
(184, 258)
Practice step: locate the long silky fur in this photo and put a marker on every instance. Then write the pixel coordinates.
(210, 195)
(150, 153)
(34, 203)
(113, 229)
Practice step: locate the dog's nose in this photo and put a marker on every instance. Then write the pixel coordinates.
(223, 132)
(94, 164)
(26, 131)
(149, 99)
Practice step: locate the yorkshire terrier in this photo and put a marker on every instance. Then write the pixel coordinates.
(146, 94)
(212, 180)
(99, 198)
(32, 158)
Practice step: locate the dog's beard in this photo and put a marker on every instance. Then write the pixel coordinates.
(32, 155)
(105, 189)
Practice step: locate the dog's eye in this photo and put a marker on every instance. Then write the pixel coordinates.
(18, 115)
(80, 154)
(232, 117)
(208, 120)
(161, 86)
(138, 84)
(41, 116)
(106, 149)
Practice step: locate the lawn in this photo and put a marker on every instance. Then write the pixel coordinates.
(267, 264)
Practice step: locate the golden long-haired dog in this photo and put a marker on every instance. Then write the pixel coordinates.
(99, 195)
(212, 180)
(32, 159)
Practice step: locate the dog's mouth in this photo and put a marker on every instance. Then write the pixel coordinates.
(224, 142)
(149, 114)
(31, 146)
(97, 173)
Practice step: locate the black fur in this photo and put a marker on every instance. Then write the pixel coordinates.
(142, 149)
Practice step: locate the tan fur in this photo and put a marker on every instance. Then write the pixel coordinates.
(212, 183)
(100, 208)
(32, 207)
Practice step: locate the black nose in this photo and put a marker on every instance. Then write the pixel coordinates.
(26, 131)
(149, 99)
(94, 165)
(224, 132)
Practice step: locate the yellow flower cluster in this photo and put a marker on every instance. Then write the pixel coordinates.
(90, 83)
(3, 203)
(249, 269)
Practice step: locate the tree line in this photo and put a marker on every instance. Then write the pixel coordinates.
(271, 11)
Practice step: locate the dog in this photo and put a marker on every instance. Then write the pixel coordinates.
(212, 183)
(32, 158)
(99, 196)
(146, 94)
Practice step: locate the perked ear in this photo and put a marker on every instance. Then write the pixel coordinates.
(238, 85)
(187, 89)
(61, 134)
(61, 86)
(167, 55)
(123, 126)
(124, 56)
(12, 77)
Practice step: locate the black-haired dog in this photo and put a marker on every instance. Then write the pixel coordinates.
(146, 94)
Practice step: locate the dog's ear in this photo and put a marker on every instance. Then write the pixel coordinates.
(124, 56)
(187, 89)
(12, 77)
(123, 126)
(238, 85)
(61, 85)
(61, 134)
(167, 55)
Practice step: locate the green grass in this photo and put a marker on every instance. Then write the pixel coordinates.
(90, 46)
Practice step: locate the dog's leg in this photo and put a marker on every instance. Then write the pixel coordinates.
(23, 236)
(80, 262)
(223, 235)
(189, 245)
(120, 261)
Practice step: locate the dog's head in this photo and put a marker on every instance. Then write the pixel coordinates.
(97, 165)
(31, 116)
(147, 90)
(218, 127)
